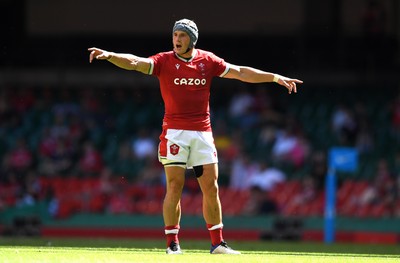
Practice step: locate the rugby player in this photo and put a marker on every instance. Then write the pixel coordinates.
(185, 74)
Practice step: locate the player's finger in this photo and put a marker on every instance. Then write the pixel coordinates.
(102, 55)
(93, 48)
(297, 81)
(288, 86)
(294, 87)
(91, 56)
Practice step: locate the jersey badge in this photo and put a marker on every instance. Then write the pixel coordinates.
(174, 149)
(202, 68)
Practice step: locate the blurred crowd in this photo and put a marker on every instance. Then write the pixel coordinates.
(98, 146)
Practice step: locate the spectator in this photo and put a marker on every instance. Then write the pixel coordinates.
(3, 204)
(300, 152)
(106, 185)
(267, 177)
(9, 117)
(397, 164)
(151, 174)
(76, 129)
(307, 193)
(318, 169)
(93, 116)
(242, 170)
(229, 148)
(374, 27)
(58, 160)
(120, 202)
(381, 190)
(31, 190)
(59, 129)
(364, 141)
(267, 136)
(47, 145)
(229, 145)
(385, 184)
(53, 203)
(66, 105)
(90, 102)
(344, 124)
(144, 146)
(102, 191)
(91, 161)
(395, 116)
(241, 103)
(241, 109)
(12, 189)
(285, 142)
(397, 181)
(290, 147)
(259, 203)
(126, 164)
(222, 137)
(20, 158)
(262, 100)
(271, 122)
(397, 208)
(22, 99)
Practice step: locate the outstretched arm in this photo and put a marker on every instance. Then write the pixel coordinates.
(252, 75)
(125, 61)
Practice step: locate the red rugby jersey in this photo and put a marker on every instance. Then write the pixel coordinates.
(185, 87)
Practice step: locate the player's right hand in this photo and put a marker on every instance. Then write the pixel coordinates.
(96, 53)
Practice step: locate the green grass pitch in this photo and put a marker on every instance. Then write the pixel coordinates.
(128, 250)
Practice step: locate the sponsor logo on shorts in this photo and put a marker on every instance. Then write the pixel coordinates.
(174, 149)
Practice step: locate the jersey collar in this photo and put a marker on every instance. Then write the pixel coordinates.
(187, 59)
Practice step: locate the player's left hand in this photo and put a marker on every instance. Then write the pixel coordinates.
(289, 83)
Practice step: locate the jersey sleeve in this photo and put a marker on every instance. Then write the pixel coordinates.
(155, 63)
(221, 66)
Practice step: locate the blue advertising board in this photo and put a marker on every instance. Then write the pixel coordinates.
(344, 159)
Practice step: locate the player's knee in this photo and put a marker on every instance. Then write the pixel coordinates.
(198, 170)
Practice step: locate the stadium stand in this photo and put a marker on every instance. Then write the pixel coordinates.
(45, 131)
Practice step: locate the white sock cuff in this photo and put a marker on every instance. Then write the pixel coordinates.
(216, 227)
(171, 231)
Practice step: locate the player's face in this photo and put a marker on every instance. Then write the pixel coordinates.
(181, 41)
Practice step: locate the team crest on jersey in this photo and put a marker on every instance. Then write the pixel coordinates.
(202, 66)
(174, 149)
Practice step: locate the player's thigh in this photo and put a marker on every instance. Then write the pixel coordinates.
(208, 181)
(175, 178)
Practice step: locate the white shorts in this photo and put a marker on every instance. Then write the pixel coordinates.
(186, 148)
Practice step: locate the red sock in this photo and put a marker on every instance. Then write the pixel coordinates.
(215, 233)
(172, 234)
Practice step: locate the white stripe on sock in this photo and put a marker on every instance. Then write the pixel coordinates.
(216, 227)
(171, 231)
